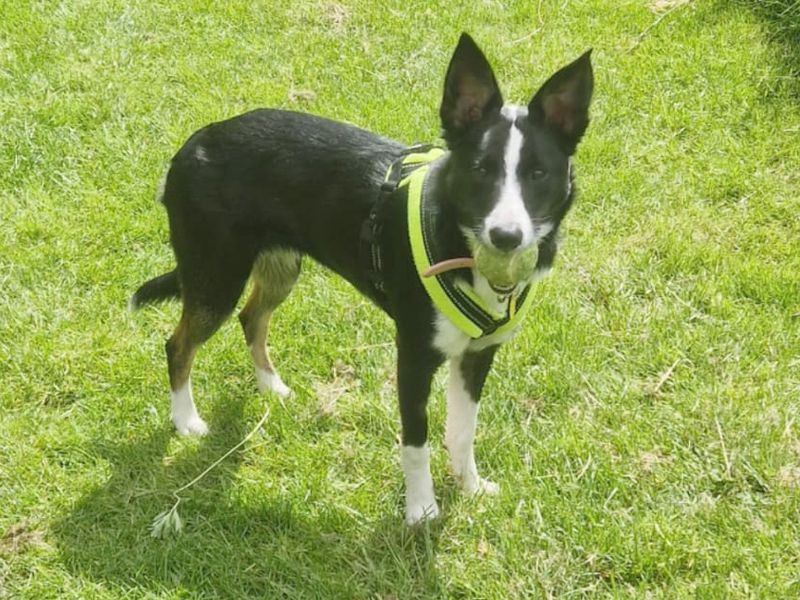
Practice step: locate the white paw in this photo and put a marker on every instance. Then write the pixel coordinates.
(421, 512)
(184, 412)
(474, 486)
(420, 500)
(270, 381)
(490, 488)
(193, 425)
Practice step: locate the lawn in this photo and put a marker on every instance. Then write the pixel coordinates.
(643, 426)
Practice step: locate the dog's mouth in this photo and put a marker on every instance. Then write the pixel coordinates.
(502, 277)
(503, 270)
(502, 290)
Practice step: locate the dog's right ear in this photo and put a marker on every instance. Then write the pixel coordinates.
(470, 89)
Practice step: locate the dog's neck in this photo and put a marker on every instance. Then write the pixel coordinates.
(449, 235)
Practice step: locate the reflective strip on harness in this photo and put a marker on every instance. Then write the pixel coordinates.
(458, 302)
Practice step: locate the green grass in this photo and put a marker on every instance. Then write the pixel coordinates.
(643, 426)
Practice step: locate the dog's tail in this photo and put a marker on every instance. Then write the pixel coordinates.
(163, 287)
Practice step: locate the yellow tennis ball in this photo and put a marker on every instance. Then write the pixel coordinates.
(504, 269)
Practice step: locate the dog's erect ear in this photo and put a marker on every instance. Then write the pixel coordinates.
(470, 89)
(562, 103)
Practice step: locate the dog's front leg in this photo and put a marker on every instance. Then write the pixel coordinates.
(416, 364)
(467, 374)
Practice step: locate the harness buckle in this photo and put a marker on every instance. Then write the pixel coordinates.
(388, 187)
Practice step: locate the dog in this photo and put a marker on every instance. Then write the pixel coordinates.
(248, 197)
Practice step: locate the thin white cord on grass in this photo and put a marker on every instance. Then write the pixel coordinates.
(169, 521)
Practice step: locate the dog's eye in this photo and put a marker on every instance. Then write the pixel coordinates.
(483, 168)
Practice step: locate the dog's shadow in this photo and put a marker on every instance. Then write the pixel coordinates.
(262, 546)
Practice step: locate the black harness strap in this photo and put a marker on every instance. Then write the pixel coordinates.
(449, 293)
(372, 227)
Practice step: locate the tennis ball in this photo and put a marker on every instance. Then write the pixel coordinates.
(504, 269)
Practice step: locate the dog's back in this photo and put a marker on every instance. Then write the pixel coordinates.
(272, 178)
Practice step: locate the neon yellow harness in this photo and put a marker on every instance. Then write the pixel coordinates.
(451, 295)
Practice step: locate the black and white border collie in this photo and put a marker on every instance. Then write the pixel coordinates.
(247, 198)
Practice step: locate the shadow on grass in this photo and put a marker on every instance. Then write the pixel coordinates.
(781, 20)
(265, 547)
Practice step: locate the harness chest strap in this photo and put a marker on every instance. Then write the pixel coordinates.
(452, 296)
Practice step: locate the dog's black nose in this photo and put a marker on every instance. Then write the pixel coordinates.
(505, 239)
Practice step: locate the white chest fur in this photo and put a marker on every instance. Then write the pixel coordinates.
(452, 342)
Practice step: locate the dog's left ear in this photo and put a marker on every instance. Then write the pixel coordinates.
(470, 90)
(562, 103)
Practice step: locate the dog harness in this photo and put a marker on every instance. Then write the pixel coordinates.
(453, 296)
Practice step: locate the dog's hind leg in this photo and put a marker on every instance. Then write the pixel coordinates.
(209, 295)
(195, 327)
(274, 274)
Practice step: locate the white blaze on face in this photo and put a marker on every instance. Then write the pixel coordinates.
(510, 214)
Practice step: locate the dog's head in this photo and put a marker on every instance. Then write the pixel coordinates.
(509, 170)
